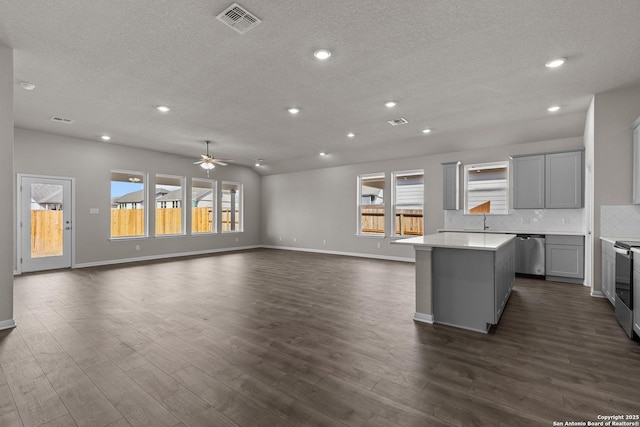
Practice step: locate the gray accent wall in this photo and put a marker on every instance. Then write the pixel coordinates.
(6, 184)
(302, 210)
(90, 163)
(614, 113)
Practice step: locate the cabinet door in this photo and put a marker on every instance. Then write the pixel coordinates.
(528, 182)
(565, 261)
(563, 183)
(636, 165)
(451, 183)
(636, 301)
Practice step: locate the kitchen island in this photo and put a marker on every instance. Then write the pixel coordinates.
(463, 279)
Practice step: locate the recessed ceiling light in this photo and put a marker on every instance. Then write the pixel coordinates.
(322, 54)
(555, 63)
(105, 137)
(322, 153)
(351, 135)
(427, 130)
(27, 86)
(258, 165)
(163, 108)
(553, 109)
(293, 110)
(390, 104)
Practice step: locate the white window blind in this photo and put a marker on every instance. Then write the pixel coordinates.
(487, 188)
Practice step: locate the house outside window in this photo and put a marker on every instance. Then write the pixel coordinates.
(169, 198)
(231, 207)
(128, 204)
(371, 205)
(487, 188)
(203, 206)
(408, 202)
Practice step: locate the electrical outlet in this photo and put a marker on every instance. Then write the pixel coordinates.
(280, 238)
(295, 240)
(378, 245)
(324, 242)
(137, 247)
(237, 239)
(565, 220)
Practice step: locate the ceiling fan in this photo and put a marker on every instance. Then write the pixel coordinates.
(208, 162)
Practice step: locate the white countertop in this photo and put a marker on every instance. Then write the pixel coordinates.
(612, 240)
(476, 241)
(477, 230)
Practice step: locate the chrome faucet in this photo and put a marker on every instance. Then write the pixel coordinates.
(484, 222)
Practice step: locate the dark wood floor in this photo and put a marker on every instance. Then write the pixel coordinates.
(270, 338)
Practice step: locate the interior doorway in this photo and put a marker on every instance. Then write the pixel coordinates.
(45, 223)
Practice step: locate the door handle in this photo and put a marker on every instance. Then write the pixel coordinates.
(67, 228)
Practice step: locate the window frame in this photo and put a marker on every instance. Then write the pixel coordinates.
(145, 211)
(214, 205)
(359, 205)
(487, 165)
(394, 193)
(240, 207)
(182, 200)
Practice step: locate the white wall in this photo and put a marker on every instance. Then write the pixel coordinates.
(6, 186)
(319, 205)
(91, 162)
(614, 113)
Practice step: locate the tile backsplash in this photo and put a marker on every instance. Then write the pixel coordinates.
(620, 221)
(568, 220)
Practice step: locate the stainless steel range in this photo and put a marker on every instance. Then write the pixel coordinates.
(624, 284)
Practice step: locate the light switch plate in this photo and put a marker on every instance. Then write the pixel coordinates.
(94, 211)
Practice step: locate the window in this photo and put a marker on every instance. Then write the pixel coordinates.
(203, 206)
(231, 207)
(371, 204)
(408, 202)
(486, 188)
(169, 197)
(128, 194)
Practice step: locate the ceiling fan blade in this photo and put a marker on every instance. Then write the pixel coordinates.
(219, 162)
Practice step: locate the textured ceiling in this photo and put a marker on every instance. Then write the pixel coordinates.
(471, 70)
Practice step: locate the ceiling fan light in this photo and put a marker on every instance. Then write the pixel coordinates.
(205, 165)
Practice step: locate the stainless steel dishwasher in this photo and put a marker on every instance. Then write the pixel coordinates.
(530, 254)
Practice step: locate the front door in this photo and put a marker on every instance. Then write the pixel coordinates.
(45, 223)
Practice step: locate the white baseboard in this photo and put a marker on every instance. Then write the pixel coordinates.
(424, 318)
(598, 294)
(163, 256)
(7, 324)
(354, 254)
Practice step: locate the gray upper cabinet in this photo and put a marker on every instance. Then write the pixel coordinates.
(528, 182)
(636, 162)
(451, 183)
(563, 173)
(551, 181)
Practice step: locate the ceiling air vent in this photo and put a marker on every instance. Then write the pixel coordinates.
(398, 122)
(238, 18)
(61, 120)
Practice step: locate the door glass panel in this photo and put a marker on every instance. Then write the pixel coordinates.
(46, 220)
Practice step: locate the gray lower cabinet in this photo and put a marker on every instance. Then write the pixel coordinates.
(528, 182)
(451, 186)
(636, 162)
(608, 271)
(550, 181)
(636, 293)
(471, 287)
(565, 258)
